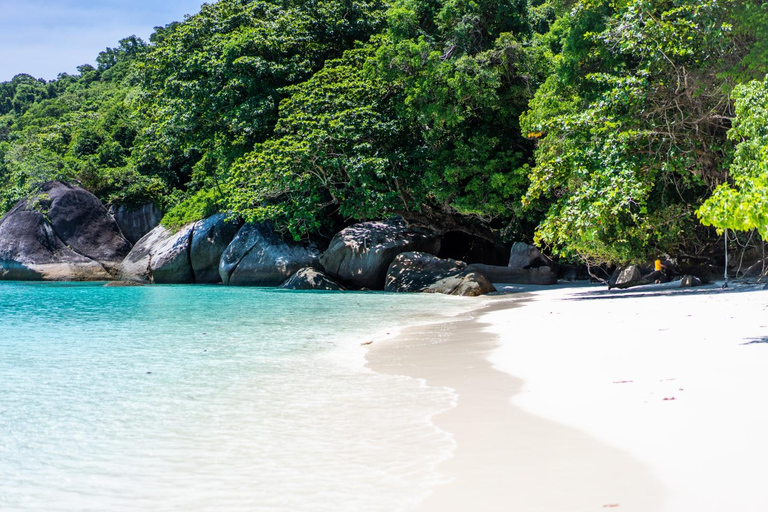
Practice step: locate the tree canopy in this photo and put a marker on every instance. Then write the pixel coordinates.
(609, 130)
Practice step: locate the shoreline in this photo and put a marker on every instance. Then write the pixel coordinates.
(574, 398)
(505, 458)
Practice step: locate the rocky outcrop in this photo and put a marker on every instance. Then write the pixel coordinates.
(639, 275)
(525, 255)
(360, 255)
(690, 282)
(468, 283)
(189, 255)
(161, 256)
(311, 279)
(258, 257)
(63, 232)
(417, 271)
(210, 238)
(509, 275)
(629, 276)
(135, 222)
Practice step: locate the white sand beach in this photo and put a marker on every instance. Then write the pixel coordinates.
(579, 399)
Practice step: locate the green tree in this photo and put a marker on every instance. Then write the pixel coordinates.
(742, 204)
(632, 125)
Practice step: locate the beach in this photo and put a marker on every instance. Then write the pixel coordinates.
(575, 398)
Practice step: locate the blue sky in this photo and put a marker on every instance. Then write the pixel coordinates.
(46, 37)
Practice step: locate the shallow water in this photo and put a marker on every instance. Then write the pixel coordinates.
(201, 398)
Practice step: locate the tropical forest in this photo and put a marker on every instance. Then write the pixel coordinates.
(605, 131)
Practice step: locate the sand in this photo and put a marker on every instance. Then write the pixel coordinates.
(580, 399)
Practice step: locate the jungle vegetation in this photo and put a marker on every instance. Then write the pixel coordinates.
(606, 130)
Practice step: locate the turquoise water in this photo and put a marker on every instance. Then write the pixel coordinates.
(201, 398)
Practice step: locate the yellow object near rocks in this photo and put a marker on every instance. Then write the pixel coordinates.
(658, 265)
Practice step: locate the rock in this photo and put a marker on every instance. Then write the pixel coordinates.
(309, 278)
(210, 238)
(416, 271)
(525, 255)
(359, 256)
(629, 276)
(468, 283)
(706, 272)
(63, 232)
(170, 258)
(136, 222)
(189, 255)
(122, 284)
(690, 282)
(508, 275)
(258, 257)
(161, 256)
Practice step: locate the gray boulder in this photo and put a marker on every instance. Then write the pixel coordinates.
(509, 275)
(690, 282)
(523, 255)
(629, 276)
(63, 232)
(258, 257)
(210, 238)
(189, 255)
(417, 271)
(468, 283)
(311, 279)
(135, 222)
(161, 256)
(359, 256)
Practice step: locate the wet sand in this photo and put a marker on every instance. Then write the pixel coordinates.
(507, 459)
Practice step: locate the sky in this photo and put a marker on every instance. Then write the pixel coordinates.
(46, 37)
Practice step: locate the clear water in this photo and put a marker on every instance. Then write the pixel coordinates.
(210, 398)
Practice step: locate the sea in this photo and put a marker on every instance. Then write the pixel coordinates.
(203, 398)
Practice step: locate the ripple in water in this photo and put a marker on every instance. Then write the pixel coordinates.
(210, 398)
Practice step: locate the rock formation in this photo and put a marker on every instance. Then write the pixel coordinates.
(416, 271)
(468, 283)
(509, 275)
(189, 255)
(258, 257)
(62, 232)
(136, 222)
(210, 238)
(360, 255)
(310, 279)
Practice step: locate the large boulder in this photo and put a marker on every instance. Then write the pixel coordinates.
(416, 271)
(360, 255)
(62, 232)
(259, 257)
(525, 255)
(509, 275)
(161, 256)
(468, 283)
(311, 279)
(690, 282)
(135, 222)
(210, 238)
(188, 255)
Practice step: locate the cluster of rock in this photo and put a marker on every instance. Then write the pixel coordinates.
(65, 233)
(639, 275)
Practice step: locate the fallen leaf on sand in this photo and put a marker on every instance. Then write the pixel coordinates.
(611, 505)
(670, 398)
(622, 382)
(366, 343)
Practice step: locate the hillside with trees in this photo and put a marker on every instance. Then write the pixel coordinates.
(606, 131)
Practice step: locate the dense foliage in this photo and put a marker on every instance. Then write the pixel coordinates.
(602, 127)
